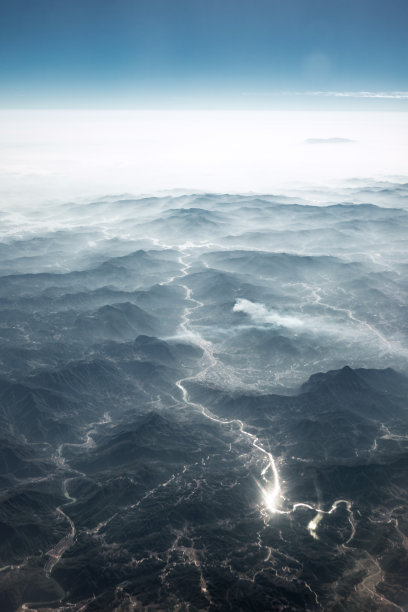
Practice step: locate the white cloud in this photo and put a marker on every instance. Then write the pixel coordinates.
(393, 95)
(262, 316)
(328, 140)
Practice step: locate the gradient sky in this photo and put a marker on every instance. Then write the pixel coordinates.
(181, 53)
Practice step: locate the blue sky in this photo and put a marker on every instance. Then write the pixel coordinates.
(203, 53)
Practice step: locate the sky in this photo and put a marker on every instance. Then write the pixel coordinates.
(113, 96)
(345, 54)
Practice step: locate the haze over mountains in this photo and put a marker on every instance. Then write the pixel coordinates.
(203, 402)
(203, 306)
